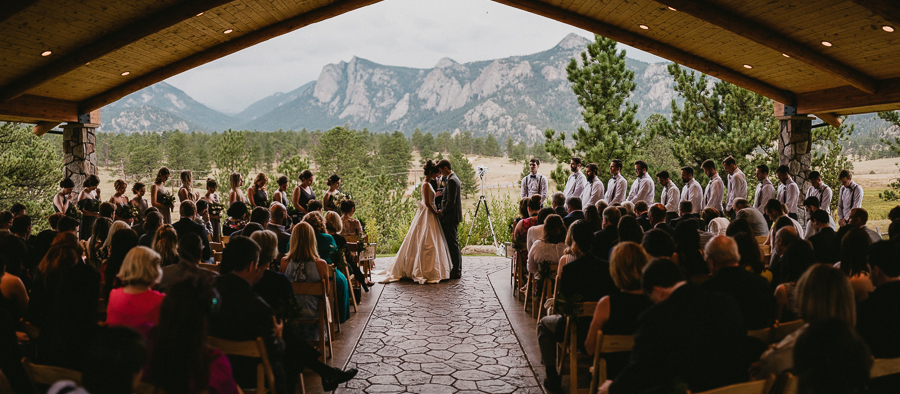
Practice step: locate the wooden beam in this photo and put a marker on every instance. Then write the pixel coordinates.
(35, 108)
(830, 118)
(655, 47)
(887, 9)
(132, 32)
(10, 8)
(222, 50)
(43, 127)
(845, 99)
(770, 38)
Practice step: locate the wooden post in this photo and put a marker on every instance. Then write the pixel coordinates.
(795, 147)
(79, 156)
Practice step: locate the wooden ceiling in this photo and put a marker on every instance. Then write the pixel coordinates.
(102, 50)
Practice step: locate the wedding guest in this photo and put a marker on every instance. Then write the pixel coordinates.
(44, 239)
(113, 362)
(186, 226)
(6, 218)
(714, 222)
(115, 227)
(751, 258)
(87, 200)
(608, 236)
(303, 264)
(212, 197)
(123, 214)
(523, 214)
(277, 225)
(67, 225)
(152, 222)
(558, 202)
(536, 232)
(186, 192)
(754, 218)
(181, 360)
(121, 243)
(107, 210)
(533, 207)
(830, 358)
(878, 317)
(61, 199)
(165, 243)
(334, 183)
(280, 195)
(237, 218)
(326, 246)
(351, 227)
(303, 194)
(99, 232)
(315, 206)
(334, 226)
(139, 189)
(190, 249)
(202, 217)
(854, 262)
(235, 181)
(274, 287)
(13, 294)
(136, 303)
(629, 230)
(797, 259)
(573, 206)
(551, 247)
(592, 217)
(752, 292)
(658, 244)
(71, 319)
(119, 198)
(257, 196)
(689, 254)
(157, 191)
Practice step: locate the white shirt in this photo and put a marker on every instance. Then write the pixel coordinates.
(542, 251)
(574, 185)
(535, 233)
(789, 194)
(670, 196)
(615, 189)
(765, 191)
(642, 189)
(593, 192)
(811, 230)
(849, 198)
(823, 193)
(712, 196)
(737, 188)
(535, 184)
(693, 192)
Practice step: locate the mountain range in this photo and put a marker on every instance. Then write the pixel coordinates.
(517, 96)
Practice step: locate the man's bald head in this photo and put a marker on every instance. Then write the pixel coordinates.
(784, 238)
(721, 251)
(278, 213)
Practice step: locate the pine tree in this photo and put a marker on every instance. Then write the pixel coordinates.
(179, 154)
(341, 149)
(394, 154)
(491, 146)
(416, 139)
(465, 172)
(29, 173)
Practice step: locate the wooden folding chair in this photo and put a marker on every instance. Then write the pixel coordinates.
(527, 292)
(217, 257)
(607, 344)
(760, 239)
(216, 246)
(351, 280)
(333, 296)
(884, 367)
(784, 329)
(224, 239)
(46, 375)
(367, 262)
(570, 342)
(754, 387)
(265, 378)
(786, 383)
(317, 289)
(211, 267)
(548, 286)
(764, 334)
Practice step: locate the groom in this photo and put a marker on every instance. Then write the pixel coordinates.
(450, 214)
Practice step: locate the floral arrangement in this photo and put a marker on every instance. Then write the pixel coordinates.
(89, 205)
(291, 312)
(74, 212)
(134, 210)
(569, 306)
(543, 270)
(167, 199)
(215, 209)
(338, 258)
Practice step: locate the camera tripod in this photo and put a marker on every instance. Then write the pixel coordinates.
(482, 200)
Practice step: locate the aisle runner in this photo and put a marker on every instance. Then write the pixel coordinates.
(443, 338)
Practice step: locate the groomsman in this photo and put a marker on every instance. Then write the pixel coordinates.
(669, 196)
(737, 184)
(617, 185)
(535, 183)
(765, 191)
(593, 189)
(692, 191)
(643, 188)
(850, 196)
(576, 181)
(788, 191)
(819, 190)
(715, 189)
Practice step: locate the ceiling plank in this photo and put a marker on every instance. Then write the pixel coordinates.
(652, 46)
(222, 50)
(768, 37)
(845, 99)
(130, 33)
(30, 108)
(830, 118)
(10, 8)
(887, 9)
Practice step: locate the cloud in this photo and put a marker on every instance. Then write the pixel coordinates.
(409, 33)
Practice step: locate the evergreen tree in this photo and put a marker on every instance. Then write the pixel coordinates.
(518, 152)
(509, 146)
(443, 142)
(231, 156)
(179, 153)
(340, 149)
(491, 146)
(144, 156)
(29, 172)
(465, 172)
(394, 154)
(427, 146)
(416, 139)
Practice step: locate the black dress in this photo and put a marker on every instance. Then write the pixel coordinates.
(624, 310)
(304, 200)
(87, 222)
(260, 198)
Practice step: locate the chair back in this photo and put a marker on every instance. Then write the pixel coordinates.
(46, 375)
(754, 387)
(764, 334)
(352, 238)
(321, 321)
(885, 366)
(224, 239)
(211, 267)
(784, 329)
(760, 239)
(216, 246)
(254, 349)
(607, 344)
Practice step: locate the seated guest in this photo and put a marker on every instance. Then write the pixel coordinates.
(642, 210)
(139, 226)
(152, 222)
(592, 217)
(587, 279)
(775, 210)
(608, 236)
(302, 264)
(536, 232)
(113, 363)
(136, 303)
(314, 206)
(751, 258)
(552, 247)
(691, 337)
(858, 218)
(658, 219)
(658, 243)
(784, 238)
(878, 317)
(823, 293)
(830, 358)
(64, 253)
(351, 226)
(71, 323)
(13, 294)
(854, 261)
(276, 224)
(43, 240)
(797, 259)
(327, 246)
(755, 218)
(333, 226)
(752, 292)
(574, 212)
(95, 252)
(121, 242)
(824, 240)
(812, 205)
(685, 212)
(202, 217)
(626, 261)
(713, 221)
(274, 287)
(532, 207)
(181, 360)
(187, 226)
(249, 229)
(237, 218)
(738, 226)
(165, 243)
(189, 252)
(630, 230)
(558, 202)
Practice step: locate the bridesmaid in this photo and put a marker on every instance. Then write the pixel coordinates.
(61, 199)
(236, 181)
(89, 195)
(334, 182)
(213, 198)
(139, 189)
(303, 194)
(280, 195)
(157, 190)
(187, 189)
(120, 199)
(256, 194)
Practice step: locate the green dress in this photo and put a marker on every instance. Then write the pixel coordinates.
(325, 246)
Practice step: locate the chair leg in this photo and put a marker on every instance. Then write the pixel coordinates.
(352, 293)
(527, 293)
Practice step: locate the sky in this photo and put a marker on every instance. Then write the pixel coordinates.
(408, 33)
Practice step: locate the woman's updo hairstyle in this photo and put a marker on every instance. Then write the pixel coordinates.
(333, 179)
(66, 183)
(120, 184)
(211, 183)
(91, 180)
(430, 167)
(306, 174)
(162, 173)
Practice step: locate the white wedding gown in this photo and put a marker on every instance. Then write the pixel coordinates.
(424, 256)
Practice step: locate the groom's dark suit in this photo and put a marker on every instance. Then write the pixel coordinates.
(451, 210)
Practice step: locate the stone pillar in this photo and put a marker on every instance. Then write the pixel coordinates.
(79, 158)
(795, 151)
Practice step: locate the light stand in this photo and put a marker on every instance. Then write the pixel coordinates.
(482, 200)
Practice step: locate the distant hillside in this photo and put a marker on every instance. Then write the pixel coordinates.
(162, 107)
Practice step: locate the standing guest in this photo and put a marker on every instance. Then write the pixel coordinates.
(534, 183)
(303, 194)
(152, 222)
(765, 191)
(280, 196)
(737, 184)
(573, 205)
(333, 225)
(617, 185)
(850, 196)
(593, 188)
(608, 236)
(328, 201)
(303, 264)
(550, 247)
(136, 303)
(752, 292)
(190, 250)
(139, 189)
(211, 197)
(351, 226)
(61, 199)
(121, 242)
(326, 247)
(235, 181)
(237, 218)
(812, 205)
(536, 232)
(181, 360)
(558, 201)
(165, 243)
(820, 190)
(257, 196)
(186, 192)
(575, 183)
(119, 198)
(754, 218)
(788, 191)
(89, 196)
(276, 225)
(712, 195)
(878, 317)
(691, 191)
(186, 226)
(797, 259)
(643, 188)
(157, 191)
(670, 195)
(824, 240)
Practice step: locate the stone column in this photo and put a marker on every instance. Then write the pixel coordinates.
(795, 151)
(79, 158)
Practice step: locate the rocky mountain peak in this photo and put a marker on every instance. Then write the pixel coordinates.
(445, 62)
(573, 41)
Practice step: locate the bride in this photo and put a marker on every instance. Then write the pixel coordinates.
(424, 256)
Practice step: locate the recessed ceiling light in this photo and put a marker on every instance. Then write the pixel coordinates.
(748, 66)
(228, 31)
(46, 53)
(826, 43)
(785, 55)
(126, 73)
(645, 27)
(672, 8)
(200, 14)
(889, 29)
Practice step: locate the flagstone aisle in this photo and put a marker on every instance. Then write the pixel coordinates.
(452, 337)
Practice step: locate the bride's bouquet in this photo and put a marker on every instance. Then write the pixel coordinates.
(167, 199)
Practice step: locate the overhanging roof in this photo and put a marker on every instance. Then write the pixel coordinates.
(772, 47)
